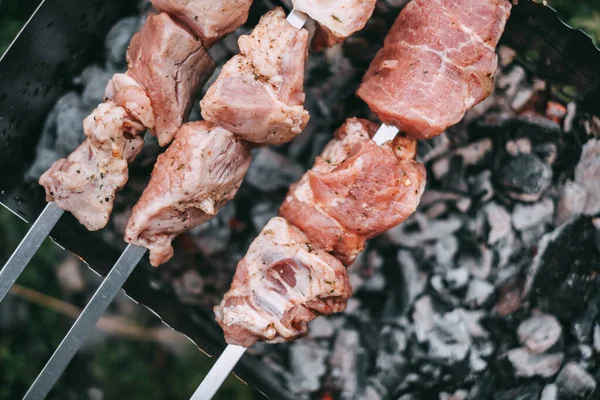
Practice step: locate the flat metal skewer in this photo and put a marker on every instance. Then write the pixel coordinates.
(229, 358)
(28, 247)
(85, 323)
(219, 372)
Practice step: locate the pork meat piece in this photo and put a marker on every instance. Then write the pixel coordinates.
(437, 62)
(356, 190)
(170, 64)
(279, 286)
(258, 94)
(85, 183)
(201, 170)
(336, 19)
(127, 93)
(207, 19)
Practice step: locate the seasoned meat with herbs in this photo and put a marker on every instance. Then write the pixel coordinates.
(191, 181)
(258, 94)
(356, 190)
(85, 183)
(281, 284)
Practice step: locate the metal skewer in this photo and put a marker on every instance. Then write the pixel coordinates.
(102, 299)
(219, 372)
(29, 245)
(229, 358)
(85, 323)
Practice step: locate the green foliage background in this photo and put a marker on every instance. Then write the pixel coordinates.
(121, 368)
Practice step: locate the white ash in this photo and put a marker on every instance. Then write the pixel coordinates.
(472, 154)
(457, 278)
(426, 230)
(445, 250)
(449, 341)
(587, 173)
(415, 279)
(540, 332)
(498, 221)
(525, 216)
(573, 199)
(321, 328)
(345, 361)
(528, 364)
(596, 338)
(307, 363)
(423, 318)
(550, 392)
(478, 292)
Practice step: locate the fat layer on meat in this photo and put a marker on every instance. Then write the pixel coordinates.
(279, 286)
(127, 93)
(170, 64)
(437, 62)
(207, 19)
(201, 170)
(85, 183)
(258, 94)
(336, 19)
(356, 190)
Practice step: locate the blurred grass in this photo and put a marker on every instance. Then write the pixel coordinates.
(582, 14)
(119, 367)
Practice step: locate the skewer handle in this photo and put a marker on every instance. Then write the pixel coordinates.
(218, 373)
(29, 245)
(85, 323)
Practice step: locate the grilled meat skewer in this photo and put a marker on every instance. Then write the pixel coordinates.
(357, 189)
(209, 160)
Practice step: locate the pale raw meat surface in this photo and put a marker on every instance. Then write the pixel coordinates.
(170, 64)
(356, 190)
(279, 286)
(208, 19)
(191, 181)
(337, 19)
(85, 183)
(127, 93)
(258, 94)
(437, 62)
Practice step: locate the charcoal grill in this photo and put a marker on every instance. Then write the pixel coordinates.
(65, 35)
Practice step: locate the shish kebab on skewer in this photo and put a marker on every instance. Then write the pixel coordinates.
(438, 61)
(167, 64)
(278, 63)
(209, 20)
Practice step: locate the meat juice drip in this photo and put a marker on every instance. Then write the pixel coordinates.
(445, 270)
